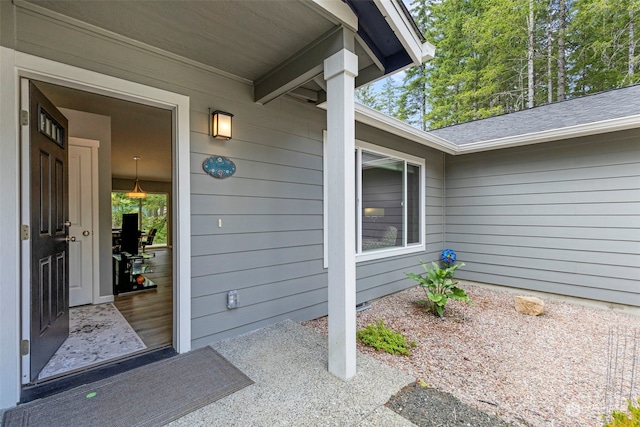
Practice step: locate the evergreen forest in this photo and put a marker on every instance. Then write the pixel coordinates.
(499, 56)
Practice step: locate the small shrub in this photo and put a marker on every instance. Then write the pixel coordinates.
(380, 337)
(622, 419)
(438, 283)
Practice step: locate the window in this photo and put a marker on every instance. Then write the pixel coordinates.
(389, 203)
(152, 213)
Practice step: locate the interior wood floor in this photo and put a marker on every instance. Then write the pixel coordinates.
(150, 312)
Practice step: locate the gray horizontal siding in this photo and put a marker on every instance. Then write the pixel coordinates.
(524, 282)
(560, 217)
(269, 247)
(257, 276)
(203, 225)
(262, 205)
(270, 244)
(256, 295)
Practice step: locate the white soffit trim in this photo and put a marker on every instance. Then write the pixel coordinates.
(604, 126)
(336, 11)
(394, 126)
(404, 30)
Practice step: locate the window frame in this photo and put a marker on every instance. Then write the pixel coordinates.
(420, 246)
(140, 213)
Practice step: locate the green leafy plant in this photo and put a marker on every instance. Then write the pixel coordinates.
(439, 286)
(380, 337)
(622, 419)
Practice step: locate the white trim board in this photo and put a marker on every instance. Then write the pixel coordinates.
(9, 234)
(13, 66)
(396, 127)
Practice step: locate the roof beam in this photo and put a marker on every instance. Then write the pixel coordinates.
(302, 66)
(369, 75)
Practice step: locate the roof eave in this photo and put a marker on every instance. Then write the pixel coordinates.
(417, 48)
(594, 128)
(396, 127)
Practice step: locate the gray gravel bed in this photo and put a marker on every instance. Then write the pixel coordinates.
(428, 407)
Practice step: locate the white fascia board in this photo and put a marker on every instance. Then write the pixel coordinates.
(337, 12)
(595, 128)
(394, 126)
(428, 51)
(403, 29)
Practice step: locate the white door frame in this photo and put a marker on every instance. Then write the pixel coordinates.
(95, 216)
(15, 65)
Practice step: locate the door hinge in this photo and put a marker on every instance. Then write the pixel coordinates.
(24, 117)
(24, 232)
(24, 347)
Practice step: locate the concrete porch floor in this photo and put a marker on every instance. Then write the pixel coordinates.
(288, 364)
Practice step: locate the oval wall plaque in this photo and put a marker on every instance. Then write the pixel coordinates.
(219, 167)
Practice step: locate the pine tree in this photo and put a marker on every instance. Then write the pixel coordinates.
(366, 95)
(413, 105)
(388, 100)
(562, 66)
(505, 55)
(602, 34)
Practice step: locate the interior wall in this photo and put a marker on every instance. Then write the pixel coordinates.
(94, 126)
(119, 184)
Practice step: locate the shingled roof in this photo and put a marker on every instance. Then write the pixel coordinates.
(613, 104)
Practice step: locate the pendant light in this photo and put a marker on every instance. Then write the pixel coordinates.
(137, 192)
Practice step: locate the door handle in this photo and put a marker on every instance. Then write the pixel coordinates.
(86, 233)
(67, 223)
(71, 239)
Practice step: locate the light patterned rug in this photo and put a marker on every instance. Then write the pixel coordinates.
(97, 333)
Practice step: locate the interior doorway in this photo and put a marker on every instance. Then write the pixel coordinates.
(149, 313)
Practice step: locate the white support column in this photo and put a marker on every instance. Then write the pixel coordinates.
(340, 71)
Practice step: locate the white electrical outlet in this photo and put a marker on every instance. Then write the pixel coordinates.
(232, 299)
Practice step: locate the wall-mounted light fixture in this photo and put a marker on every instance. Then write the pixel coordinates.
(137, 192)
(221, 125)
(374, 213)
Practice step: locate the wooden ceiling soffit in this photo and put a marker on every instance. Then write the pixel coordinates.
(303, 66)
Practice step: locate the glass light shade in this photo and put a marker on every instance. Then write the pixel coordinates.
(137, 192)
(221, 125)
(374, 211)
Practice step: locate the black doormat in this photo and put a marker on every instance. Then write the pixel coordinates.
(50, 387)
(151, 395)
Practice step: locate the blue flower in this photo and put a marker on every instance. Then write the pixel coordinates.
(448, 256)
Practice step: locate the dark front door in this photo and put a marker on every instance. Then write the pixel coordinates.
(48, 231)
